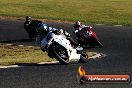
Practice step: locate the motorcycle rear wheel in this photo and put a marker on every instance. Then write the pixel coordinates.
(96, 42)
(83, 58)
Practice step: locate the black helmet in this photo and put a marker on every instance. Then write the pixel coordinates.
(28, 18)
(77, 24)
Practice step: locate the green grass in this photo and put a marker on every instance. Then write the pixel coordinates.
(88, 11)
(15, 54)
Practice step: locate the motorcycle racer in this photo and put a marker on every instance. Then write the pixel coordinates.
(85, 36)
(77, 26)
(51, 32)
(77, 30)
(34, 27)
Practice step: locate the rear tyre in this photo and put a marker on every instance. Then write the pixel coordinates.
(97, 42)
(100, 44)
(83, 58)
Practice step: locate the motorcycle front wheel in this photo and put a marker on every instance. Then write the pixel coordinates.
(61, 54)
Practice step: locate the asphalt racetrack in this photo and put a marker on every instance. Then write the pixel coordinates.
(117, 41)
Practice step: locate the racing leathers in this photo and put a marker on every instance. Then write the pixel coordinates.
(31, 27)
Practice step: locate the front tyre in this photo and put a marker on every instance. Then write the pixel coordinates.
(61, 53)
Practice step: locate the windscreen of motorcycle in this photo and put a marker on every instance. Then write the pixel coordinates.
(62, 41)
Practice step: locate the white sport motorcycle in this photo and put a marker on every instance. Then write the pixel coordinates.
(61, 49)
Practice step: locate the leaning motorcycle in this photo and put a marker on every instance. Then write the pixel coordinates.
(61, 49)
(86, 37)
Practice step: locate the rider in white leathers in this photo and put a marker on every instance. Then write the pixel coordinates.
(52, 32)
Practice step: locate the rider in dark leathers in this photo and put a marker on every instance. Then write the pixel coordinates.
(35, 27)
